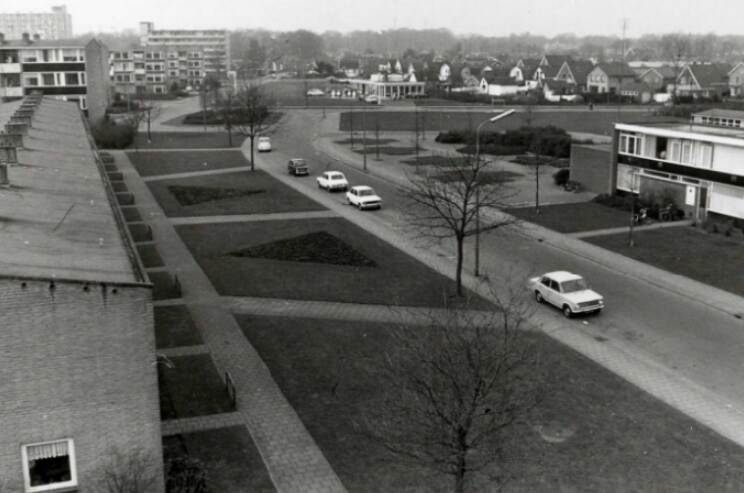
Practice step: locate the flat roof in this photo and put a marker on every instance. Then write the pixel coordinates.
(56, 221)
(721, 113)
(709, 133)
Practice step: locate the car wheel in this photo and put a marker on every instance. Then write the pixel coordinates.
(360, 206)
(567, 311)
(539, 297)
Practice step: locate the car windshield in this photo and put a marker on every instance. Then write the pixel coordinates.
(574, 285)
(298, 162)
(263, 139)
(366, 192)
(337, 177)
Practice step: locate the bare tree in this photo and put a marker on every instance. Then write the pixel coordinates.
(252, 109)
(185, 475)
(453, 387)
(130, 472)
(456, 198)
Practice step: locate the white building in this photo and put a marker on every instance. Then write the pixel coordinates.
(54, 25)
(700, 164)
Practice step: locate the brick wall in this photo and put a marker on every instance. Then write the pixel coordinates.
(77, 364)
(591, 165)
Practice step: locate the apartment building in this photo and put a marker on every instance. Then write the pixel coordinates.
(66, 70)
(54, 25)
(79, 381)
(700, 164)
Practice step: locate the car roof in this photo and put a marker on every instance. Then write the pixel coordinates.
(562, 276)
(297, 160)
(362, 187)
(263, 137)
(333, 173)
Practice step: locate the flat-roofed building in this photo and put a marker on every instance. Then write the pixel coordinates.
(69, 70)
(699, 164)
(56, 24)
(77, 352)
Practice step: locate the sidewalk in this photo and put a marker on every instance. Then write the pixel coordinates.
(291, 456)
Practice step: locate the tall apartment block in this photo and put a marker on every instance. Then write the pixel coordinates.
(79, 379)
(168, 56)
(54, 25)
(66, 70)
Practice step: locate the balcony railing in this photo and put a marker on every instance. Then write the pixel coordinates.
(11, 92)
(10, 68)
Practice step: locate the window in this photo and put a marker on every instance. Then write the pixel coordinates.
(48, 466)
(706, 155)
(631, 144)
(72, 79)
(686, 152)
(47, 79)
(675, 152)
(70, 55)
(31, 81)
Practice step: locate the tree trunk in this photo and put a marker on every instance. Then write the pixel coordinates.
(253, 166)
(460, 467)
(460, 240)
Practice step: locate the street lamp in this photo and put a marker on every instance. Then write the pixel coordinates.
(477, 185)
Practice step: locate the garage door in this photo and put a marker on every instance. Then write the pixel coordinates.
(727, 200)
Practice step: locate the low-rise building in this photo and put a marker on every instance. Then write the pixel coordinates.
(79, 381)
(609, 77)
(736, 80)
(700, 164)
(703, 80)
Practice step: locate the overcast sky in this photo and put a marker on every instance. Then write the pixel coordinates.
(489, 17)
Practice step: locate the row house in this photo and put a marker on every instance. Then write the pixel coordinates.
(609, 77)
(575, 72)
(68, 70)
(706, 80)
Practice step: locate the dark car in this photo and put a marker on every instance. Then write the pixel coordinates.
(297, 167)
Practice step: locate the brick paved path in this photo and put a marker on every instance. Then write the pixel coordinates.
(292, 458)
(190, 425)
(234, 218)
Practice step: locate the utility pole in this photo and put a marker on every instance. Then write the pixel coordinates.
(625, 29)
(364, 137)
(416, 131)
(351, 125)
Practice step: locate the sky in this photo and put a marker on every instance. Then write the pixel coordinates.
(488, 17)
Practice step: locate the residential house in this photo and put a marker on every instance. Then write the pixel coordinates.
(549, 66)
(559, 90)
(703, 80)
(350, 67)
(638, 92)
(575, 72)
(659, 79)
(498, 83)
(736, 80)
(608, 77)
(524, 69)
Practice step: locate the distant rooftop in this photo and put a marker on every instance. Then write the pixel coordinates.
(721, 113)
(56, 220)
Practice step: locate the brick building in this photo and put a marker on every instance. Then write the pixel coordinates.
(79, 380)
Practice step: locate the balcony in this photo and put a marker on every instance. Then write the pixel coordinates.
(10, 68)
(11, 92)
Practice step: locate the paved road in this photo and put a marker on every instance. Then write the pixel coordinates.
(700, 343)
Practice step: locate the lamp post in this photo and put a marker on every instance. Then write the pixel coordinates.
(364, 137)
(477, 185)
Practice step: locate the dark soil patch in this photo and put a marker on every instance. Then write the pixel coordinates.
(187, 196)
(319, 247)
(190, 386)
(228, 455)
(165, 286)
(174, 327)
(149, 256)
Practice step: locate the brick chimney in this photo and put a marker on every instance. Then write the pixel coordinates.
(37, 37)
(2, 38)
(26, 38)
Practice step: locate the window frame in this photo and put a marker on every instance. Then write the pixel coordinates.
(72, 483)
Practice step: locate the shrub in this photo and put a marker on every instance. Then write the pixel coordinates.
(110, 135)
(561, 176)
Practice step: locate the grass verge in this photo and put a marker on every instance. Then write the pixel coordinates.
(190, 386)
(572, 218)
(164, 163)
(174, 327)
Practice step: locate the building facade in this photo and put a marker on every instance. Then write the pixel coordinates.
(66, 70)
(79, 378)
(54, 25)
(700, 164)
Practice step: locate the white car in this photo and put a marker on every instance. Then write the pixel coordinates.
(566, 291)
(333, 180)
(264, 144)
(372, 99)
(315, 92)
(363, 197)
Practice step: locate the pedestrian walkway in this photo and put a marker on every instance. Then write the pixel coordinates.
(174, 352)
(625, 229)
(235, 218)
(192, 174)
(292, 458)
(403, 315)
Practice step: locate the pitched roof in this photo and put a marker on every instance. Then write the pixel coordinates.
(500, 80)
(580, 69)
(557, 60)
(557, 85)
(709, 74)
(616, 69)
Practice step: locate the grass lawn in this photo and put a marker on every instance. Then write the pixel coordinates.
(388, 150)
(174, 327)
(485, 177)
(140, 231)
(228, 455)
(250, 192)
(164, 286)
(149, 256)
(192, 387)
(131, 214)
(623, 439)
(679, 250)
(186, 140)
(369, 141)
(572, 218)
(164, 163)
(437, 160)
(573, 121)
(287, 259)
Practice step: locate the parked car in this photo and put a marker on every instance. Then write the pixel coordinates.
(297, 167)
(566, 291)
(372, 99)
(315, 92)
(333, 180)
(363, 197)
(264, 144)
